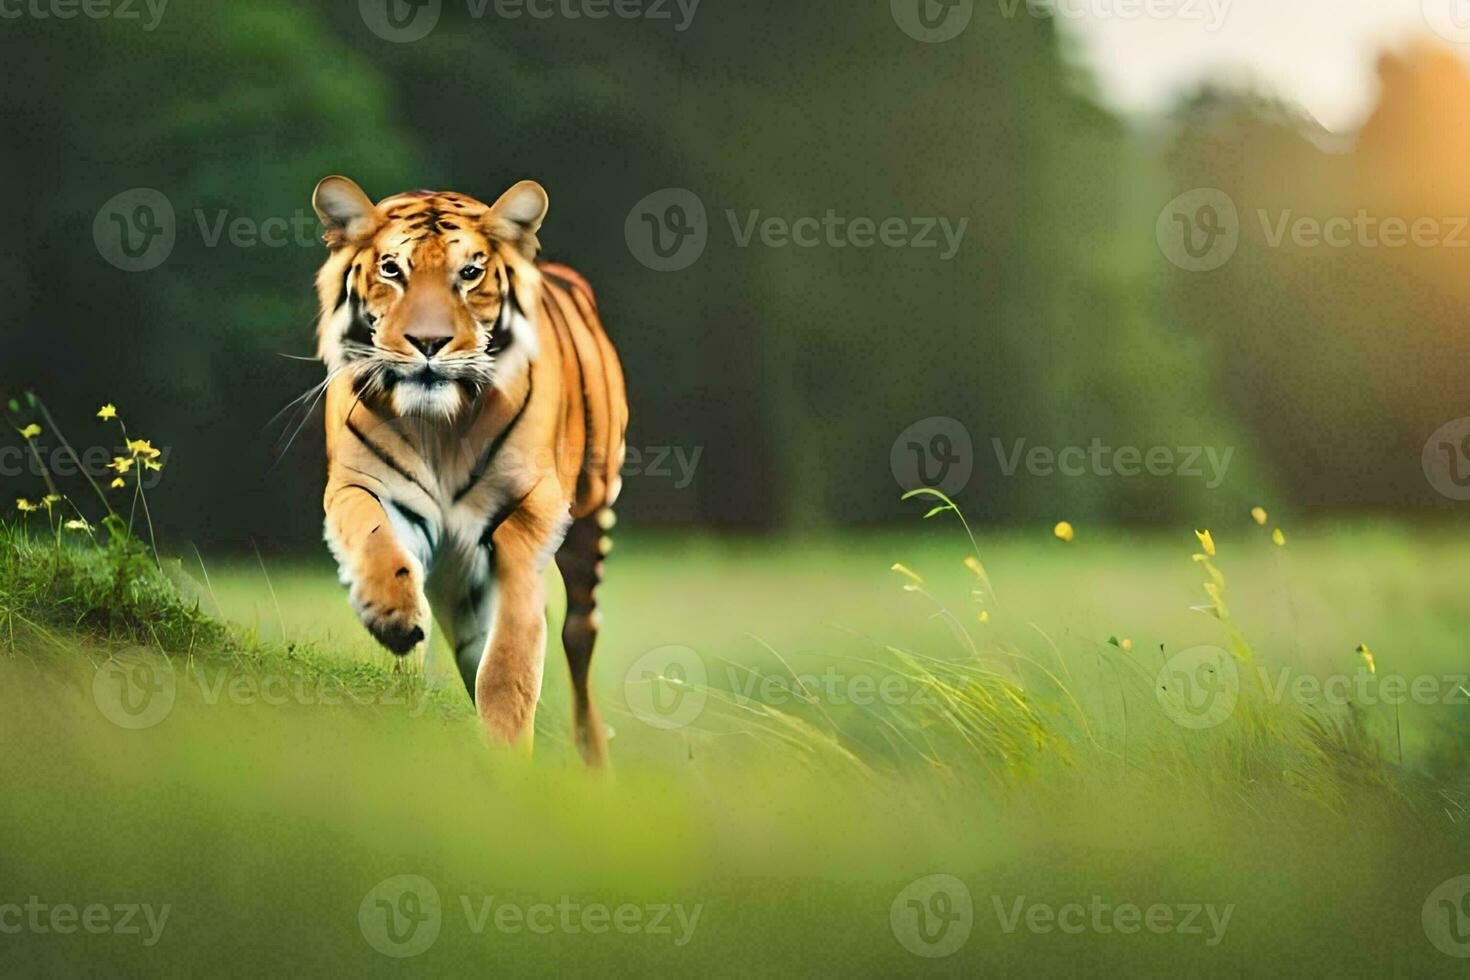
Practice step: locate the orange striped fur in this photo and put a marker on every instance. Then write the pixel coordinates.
(475, 425)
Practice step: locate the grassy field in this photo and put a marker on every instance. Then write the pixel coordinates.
(821, 766)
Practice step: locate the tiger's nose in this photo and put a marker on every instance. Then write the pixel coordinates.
(429, 346)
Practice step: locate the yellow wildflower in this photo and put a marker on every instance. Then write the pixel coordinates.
(118, 483)
(909, 573)
(1278, 538)
(1064, 531)
(120, 463)
(150, 464)
(984, 615)
(142, 447)
(24, 506)
(1258, 514)
(30, 431)
(1206, 541)
(1367, 656)
(107, 412)
(77, 525)
(1127, 645)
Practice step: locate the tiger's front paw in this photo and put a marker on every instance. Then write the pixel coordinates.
(393, 608)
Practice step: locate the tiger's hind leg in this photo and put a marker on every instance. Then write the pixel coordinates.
(580, 562)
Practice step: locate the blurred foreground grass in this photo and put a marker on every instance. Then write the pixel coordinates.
(847, 740)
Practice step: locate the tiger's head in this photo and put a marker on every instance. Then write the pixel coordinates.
(425, 294)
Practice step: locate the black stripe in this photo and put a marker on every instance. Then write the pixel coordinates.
(500, 335)
(488, 456)
(500, 517)
(359, 486)
(412, 516)
(419, 521)
(582, 383)
(385, 457)
(359, 331)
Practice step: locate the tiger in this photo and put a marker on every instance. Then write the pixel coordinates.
(476, 418)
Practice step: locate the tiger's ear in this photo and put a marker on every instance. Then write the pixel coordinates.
(347, 214)
(517, 216)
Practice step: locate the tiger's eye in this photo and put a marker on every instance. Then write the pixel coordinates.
(471, 272)
(389, 269)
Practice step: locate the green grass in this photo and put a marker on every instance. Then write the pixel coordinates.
(1029, 757)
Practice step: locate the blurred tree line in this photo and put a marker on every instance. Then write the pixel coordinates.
(791, 370)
